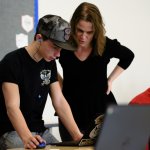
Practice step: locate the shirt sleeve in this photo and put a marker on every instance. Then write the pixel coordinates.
(53, 72)
(10, 71)
(116, 50)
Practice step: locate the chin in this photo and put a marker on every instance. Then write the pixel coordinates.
(47, 60)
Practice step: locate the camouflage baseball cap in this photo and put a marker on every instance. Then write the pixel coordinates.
(57, 30)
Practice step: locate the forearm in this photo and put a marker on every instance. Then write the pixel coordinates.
(18, 122)
(64, 112)
(60, 79)
(115, 73)
(12, 102)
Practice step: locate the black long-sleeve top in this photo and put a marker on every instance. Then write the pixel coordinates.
(85, 82)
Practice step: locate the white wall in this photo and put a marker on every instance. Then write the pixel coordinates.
(129, 22)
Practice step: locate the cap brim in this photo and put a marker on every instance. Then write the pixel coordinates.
(64, 45)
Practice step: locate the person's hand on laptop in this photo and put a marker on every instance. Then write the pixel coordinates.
(78, 138)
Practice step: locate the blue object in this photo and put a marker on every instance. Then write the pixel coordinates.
(41, 145)
(39, 40)
(39, 96)
(36, 18)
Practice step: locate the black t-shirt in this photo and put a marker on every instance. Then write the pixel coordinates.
(85, 82)
(33, 80)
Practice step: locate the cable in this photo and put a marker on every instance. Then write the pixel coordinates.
(37, 51)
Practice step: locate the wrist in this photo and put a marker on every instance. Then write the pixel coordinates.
(110, 80)
(78, 136)
(26, 138)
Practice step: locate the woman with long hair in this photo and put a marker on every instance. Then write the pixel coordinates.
(86, 86)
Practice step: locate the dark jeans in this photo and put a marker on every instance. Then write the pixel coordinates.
(64, 134)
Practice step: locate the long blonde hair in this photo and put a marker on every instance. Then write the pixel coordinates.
(89, 12)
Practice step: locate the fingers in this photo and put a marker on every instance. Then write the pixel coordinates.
(108, 90)
(33, 142)
(30, 144)
(39, 139)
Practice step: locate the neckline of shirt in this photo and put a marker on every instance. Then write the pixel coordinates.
(31, 59)
(82, 61)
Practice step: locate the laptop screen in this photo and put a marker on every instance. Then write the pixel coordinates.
(125, 128)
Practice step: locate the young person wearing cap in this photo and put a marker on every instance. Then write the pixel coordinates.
(27, 76)
(86, 86)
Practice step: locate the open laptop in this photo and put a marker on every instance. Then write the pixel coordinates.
(125, 128)
(89, 136)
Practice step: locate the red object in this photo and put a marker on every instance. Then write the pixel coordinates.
(147, 147)
(142, 99)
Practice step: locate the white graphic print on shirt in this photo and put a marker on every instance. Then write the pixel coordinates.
(45, 76)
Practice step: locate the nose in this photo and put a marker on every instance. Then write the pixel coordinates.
(83, 35)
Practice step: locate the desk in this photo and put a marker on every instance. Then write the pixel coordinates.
(49, 147)
(50, 125)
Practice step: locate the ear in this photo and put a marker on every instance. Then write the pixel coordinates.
(38, 38)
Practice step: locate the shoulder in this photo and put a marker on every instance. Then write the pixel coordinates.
(111, 46)
(13, 58)
(15, 54)
(65, 55)
(65, 52)
(11, 67)
(112, 43)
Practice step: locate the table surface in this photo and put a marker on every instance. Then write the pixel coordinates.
(49, 147)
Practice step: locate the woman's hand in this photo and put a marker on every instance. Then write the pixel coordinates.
(109, 86)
